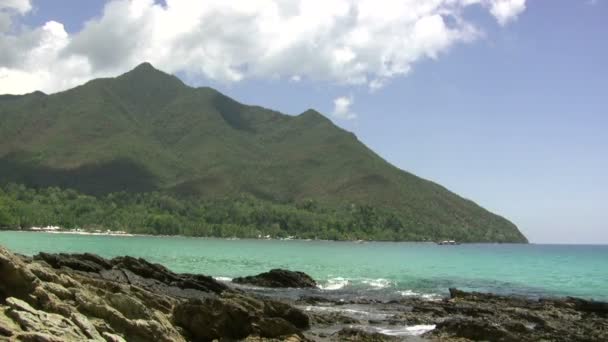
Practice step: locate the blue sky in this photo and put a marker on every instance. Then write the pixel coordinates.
(513, 115)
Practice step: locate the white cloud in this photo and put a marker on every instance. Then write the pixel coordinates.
(21, 6)
(342, 108)
(507, 10)
(9, 8)
(348, 42)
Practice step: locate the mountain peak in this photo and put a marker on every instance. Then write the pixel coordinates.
(145, 66)
(145, 74)
(314, 117)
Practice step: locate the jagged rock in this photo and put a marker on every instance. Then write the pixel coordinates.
(40, 322)
(17, 280)
(112, 337)
(129, 299)
(278, 278)
(7, 326)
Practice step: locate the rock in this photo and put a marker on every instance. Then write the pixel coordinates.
(59, 297)
(112, 337)
(77, 262)
(352, 334)
(56, 327)
(86, 326)
(7, 326)
(210, 318)
(275, 327)
(56, 297)
(473, 329)
(17, 280)
(589, 306)
(279, 278)
(287, 312)
(37, 337)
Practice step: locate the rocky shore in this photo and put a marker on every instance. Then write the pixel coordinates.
(70, 297)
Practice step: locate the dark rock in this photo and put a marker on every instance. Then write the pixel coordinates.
(589, 306)
(275, 327)
(122, 269)
(209, 319)
(77, 262)
(473, 329)
(352, 334)
(279, 278)
(293, 315)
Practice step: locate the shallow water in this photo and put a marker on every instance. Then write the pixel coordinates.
(373, 269)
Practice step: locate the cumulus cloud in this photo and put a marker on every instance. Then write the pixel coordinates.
(9, 8)
(507, 10)
(347, 42)
(342, 108)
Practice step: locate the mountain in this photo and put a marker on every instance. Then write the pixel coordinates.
(147, 131)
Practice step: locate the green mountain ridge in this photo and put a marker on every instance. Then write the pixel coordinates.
(147, 131)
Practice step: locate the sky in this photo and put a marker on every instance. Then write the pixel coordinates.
(504, 102)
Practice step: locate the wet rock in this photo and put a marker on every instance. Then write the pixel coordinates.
(353, 334)
(279, 278)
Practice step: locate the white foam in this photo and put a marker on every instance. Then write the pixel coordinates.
(415, 330)
(334, 309)
(222, 278)
(410, 293)
(379, 283)
(334, 284)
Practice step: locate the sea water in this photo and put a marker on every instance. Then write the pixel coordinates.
(373, 269)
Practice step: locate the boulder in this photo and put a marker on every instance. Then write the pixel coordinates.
(211, 318)
(275, 327)
(279, 278)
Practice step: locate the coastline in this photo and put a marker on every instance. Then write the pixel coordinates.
(126, 298)
(290, 238)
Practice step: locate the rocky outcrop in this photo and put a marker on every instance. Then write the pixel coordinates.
(69, 297)
(64, 297)
(279, 278)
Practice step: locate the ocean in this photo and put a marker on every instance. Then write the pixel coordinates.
(383, 270)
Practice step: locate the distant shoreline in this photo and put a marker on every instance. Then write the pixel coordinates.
(127, 234)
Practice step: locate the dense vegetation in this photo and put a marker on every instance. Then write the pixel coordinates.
(244, 217)
(144, 137)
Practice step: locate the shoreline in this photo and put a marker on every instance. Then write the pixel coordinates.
(126, 298)
(127, 234)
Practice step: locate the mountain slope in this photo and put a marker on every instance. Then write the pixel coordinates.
(146, 130)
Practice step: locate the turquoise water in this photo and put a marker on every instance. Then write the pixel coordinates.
(386, 268)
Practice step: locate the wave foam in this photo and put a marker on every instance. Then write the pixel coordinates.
(415, 330)
(379, 283)
(334, 284)
(410, 293)
(222, 278)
